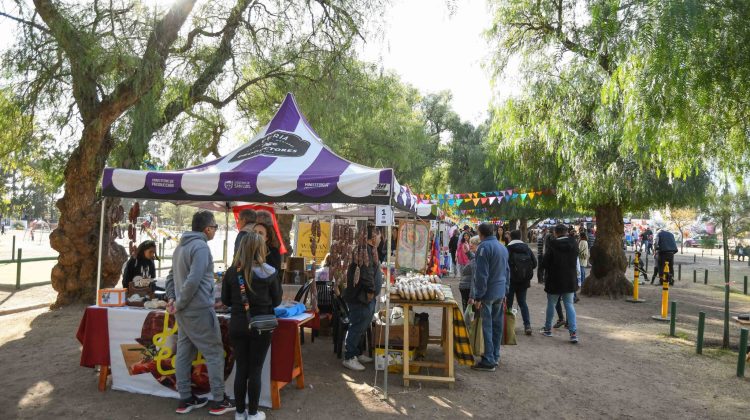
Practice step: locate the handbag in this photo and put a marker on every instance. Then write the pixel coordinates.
(509, 327)
(260, 323)
(476, 337)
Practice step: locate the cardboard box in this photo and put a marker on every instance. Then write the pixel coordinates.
(396, 336)
(395, 360)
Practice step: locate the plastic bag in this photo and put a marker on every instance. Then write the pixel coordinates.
(476, 337)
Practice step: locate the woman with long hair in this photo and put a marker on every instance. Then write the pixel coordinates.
(264, 228)
(141, 264)
(462, 253)
(250, 288)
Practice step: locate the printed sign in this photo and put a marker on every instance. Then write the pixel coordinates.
(383, 215)
(277, 143)
(323, 243)
(382, 189)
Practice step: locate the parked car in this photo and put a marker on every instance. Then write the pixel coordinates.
(693, 242)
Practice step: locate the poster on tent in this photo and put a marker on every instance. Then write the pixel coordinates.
(413, 245)
(142, 347)
(323, 243)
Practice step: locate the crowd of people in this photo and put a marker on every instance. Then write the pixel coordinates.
(496, 267)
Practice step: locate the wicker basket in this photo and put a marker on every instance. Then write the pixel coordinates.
(140, 291)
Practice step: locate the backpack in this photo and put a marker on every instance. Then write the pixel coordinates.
(521, 267)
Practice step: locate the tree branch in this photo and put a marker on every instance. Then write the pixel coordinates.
(25, 22)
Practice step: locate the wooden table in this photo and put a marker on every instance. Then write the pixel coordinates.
(445, 340)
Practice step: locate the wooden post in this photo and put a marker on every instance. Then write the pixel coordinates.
(679, 272)
(18, 269)
(743, 353)
(705, 277)
(695, 276)
(745, 288)
(673, 319)
(699, 339)
(13, 249)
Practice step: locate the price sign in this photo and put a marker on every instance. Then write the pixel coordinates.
(383, 215)
(433, 224)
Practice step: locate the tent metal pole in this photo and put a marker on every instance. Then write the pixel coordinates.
(226, 235)
(388, 307)
(101, 243)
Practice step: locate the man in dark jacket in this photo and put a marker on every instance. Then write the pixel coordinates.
(665, 247)
(540, 254)
(563, 269)
(522, 264)
(359, 295)
(453, 247)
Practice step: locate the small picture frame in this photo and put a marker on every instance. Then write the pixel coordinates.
(111, 297)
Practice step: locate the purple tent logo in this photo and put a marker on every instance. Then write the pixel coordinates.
(382, 189)
(277, 143)
(228, 184)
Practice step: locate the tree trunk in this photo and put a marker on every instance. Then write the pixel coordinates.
(286, 222)
(608, 262)
(76, 237)
(524, 229)
(725, 241)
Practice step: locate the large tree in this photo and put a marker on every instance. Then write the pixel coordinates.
(566, 129)
(120, 73)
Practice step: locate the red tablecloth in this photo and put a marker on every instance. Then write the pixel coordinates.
(93, 334)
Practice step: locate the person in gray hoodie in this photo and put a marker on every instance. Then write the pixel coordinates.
(190, 297)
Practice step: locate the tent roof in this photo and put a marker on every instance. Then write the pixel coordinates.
(286, 162)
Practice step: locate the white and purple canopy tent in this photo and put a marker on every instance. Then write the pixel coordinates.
(286, 163)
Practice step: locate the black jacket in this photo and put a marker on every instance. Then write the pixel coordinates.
(521, 248)
(138, 267)
(453, 245)
(358, 294)
(274, 258)
(560, 263)
(263, 298)
(665, 242)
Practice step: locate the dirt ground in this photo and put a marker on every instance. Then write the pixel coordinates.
(624, 367)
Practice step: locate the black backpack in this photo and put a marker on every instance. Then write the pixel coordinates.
(521, 267)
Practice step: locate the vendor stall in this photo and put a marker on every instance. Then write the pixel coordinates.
(286, 165)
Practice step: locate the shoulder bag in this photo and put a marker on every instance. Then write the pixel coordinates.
(260, 323)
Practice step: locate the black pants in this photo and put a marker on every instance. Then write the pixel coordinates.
(666, 257)
(540, 269)
(249, 354)
(464, 297)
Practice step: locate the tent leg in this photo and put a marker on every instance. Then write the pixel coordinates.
(101, 242)
(226, 235)
(388, 308)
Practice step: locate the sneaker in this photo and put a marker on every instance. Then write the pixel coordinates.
(190, 404)
(221, 407)
(364, 358)
(257, 416)
(240, 415)
(559, 323)
(484, 367)
(574, 338)
(353, 364)
(545, 332)
(527, 330)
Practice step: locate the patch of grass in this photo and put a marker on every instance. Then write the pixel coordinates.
(682, 335)
(718, 353)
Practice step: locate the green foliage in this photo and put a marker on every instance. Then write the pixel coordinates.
(566, 131)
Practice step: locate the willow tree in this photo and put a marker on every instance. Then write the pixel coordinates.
(119, 73)
(566, 129)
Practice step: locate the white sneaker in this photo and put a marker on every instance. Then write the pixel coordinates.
(257, 416)
(364, 358)
(240, 415)
(353, 364)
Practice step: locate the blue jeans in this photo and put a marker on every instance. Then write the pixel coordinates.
(570, 310)
(360, 317)
(583, 276)
(492, 329)
(520, 293)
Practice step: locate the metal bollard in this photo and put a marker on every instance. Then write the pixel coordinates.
(705, 277)
(695, 277)
(745, 288)
(673, 319)
(18, 269)
(699, 339)
(679, 272)
(743, 353)
(693, 258)
(719, 260)
(13, 249)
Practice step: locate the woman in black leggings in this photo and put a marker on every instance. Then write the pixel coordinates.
(249, 287)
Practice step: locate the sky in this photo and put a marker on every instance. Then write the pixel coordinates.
(434, 49)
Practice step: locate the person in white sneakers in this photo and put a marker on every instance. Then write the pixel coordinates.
(360, 295)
